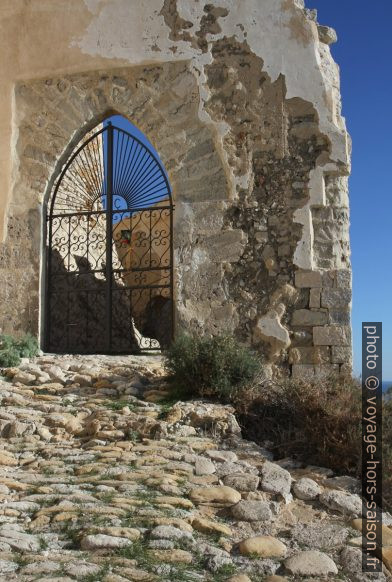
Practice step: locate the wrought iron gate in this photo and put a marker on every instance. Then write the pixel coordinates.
(109, 249)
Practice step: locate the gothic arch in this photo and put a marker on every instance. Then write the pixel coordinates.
(109, 277)
(163, 102)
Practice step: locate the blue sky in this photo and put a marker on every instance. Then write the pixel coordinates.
(144, 183)
(363, 52)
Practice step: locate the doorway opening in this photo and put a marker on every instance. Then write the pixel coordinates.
(109, 277)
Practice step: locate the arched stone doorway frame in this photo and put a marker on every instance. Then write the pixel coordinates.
(104, 293)
(163, 102)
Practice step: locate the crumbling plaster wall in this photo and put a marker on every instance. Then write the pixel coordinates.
(242, 101)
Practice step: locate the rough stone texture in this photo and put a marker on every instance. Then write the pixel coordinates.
(218, 496)
(210, 527)
(308, 279)
(257, 155)
(320, 536)
(306, 317)
(306, 489)
(248, 510)
(311, 563)
(386, 532)
(342, 501)
(242, 481)
(119, 499)
(310, 355)
(275, 479)
(327, 34)
(263, 546)
(100, 541)
(332, 336)
(341, 355)
(204, 467)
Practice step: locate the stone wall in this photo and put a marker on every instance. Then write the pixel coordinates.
(241, 100)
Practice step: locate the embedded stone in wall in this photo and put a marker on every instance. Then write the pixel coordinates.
(343, 279)
(309, 318)
(335, 298)
(228, 246)
(307, 279)
(330, 335)
(341, 355)
(327, 34)
(314, 298)
(310, 355)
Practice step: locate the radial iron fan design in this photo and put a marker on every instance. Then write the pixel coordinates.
(137, 179)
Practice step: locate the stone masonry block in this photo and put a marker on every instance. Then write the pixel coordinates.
(307, 317)
(339, 316)
(343, 279)
(341, 355)
(226, 246)
(332, 335)
(314, 298)
(328, 279)
(310, 355)
(334, 298)
(307, 279)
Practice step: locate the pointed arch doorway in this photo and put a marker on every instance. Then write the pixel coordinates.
(109, 272)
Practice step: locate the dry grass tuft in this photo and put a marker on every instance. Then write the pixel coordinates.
(318, 421)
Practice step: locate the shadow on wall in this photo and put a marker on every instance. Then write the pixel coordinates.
(78, 312)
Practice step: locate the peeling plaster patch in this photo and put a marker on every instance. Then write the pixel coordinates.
(317, 187)
(112, 34)
(199, 257)
(299, 28)
(192, 11)
(209, 25)
(270, 329)
(177, 25)
(303, 255)
(222, 128)
(265, 23)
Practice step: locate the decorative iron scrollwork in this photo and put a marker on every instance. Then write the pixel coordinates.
(110, 249)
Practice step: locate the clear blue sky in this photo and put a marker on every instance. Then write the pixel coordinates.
(364, 54)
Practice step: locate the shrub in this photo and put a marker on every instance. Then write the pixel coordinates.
(12, 350)
(27, 346)
(9, 358)
(315, 421)
(210, 366)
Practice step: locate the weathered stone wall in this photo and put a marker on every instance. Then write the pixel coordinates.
(241, 100)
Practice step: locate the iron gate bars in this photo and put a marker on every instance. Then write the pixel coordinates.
(109, 272)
